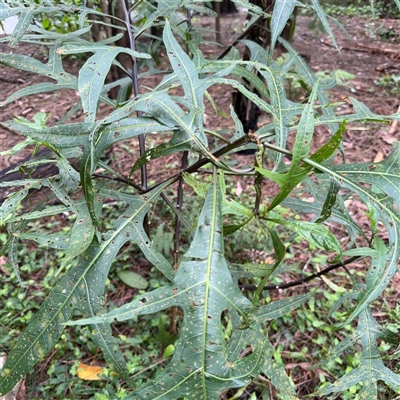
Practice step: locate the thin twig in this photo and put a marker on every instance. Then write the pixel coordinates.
(301, 281)
(204, 161)
(184, 163)
(179, 203)
(197, 165)
(135, 83)
(118, 179)
(240, 37)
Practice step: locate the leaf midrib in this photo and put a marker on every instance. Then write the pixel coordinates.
(103, 247)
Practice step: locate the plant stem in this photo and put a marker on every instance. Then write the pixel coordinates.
(240, 37)
(197, 165)
(179, 203)
(306, 279)
(135, 83)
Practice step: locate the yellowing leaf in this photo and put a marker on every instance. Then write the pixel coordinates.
(89, 372)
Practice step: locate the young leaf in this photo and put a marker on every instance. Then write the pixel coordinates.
(201, 188)
(322, 16)
(301, 149)
(283, 9)
(175, 145)
(329, 201)
(319, 191)
(83, 230)
(133, 280)
(88, 187)
(305, 131)
(280, 251)
(329, 148)
(93, 74)
(316, 234)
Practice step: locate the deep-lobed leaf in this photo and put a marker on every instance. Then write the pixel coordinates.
(61, 136)
(93, 73)
(203, 365)
(371, 368)
(52, 69)
(385, 201)
(200, 288)
(82, 289)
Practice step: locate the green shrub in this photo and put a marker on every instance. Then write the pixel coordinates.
(221, 309)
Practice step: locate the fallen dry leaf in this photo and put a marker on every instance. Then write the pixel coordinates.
(379, 157)
(239, 189)
(89, 372)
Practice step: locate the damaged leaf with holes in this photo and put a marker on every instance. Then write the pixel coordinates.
(204, 363)
(81, 290)
(212, 357)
